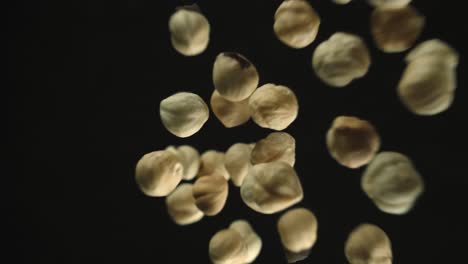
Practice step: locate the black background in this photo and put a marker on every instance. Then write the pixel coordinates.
(85, 81)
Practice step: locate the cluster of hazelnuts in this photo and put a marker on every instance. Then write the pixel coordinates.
(264, 170)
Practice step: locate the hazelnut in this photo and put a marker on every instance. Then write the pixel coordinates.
(190, 159)
(227, 247)
(237, 162)
(252, 241)
(231, 114)
(210, 193)
(181, 205)
(389, 3)
(212, 162)
(368, 244)
(277, 146)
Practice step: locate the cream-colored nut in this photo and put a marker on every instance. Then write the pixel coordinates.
(352, 142)
(251, 239)
(341, 2)
(190, 31)
(230, 113)
(277, 146)
(389, 3)
(392, 183)
(237, 162)
(298, 232)
(396, 29)
(341, 59)
(210, 193)
(190, 159)
(227, 247)
(273, 106)
(158, 173)
(212, 162)
(368, 244)
(296, 23)
(436, 49)
(183, 114)
(271, 187)
(181, 205)
(234, 76)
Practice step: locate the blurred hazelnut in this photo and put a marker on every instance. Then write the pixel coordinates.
(352, 142)
(392, 182)
(181, 205)
(210, 193)
(396, 29)
(227, 247)
(296, 23)
(341, 2)
(368, 244)
(389, 3)
(277, 146)
(183, 114)
(237, 162)
(190, 31)
(231, 114)
(234, 77)
(190, 159)
(212, 162)
(271, 187)
(341, 59)
(252, 241)
(273, 106)
(158, 173)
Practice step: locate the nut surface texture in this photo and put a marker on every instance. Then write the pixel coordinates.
(251, 239)
(368, 244)
(237, 162)
(212, 162)
(277, 146)
(181, 205)
(190, 159)
(210, 193)
(298, 230)
(231, 114)
(227, 247)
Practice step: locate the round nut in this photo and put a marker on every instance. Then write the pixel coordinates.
(389, 3)
(341, 59)
(227, 247)
(210, 193)
(368, 243)
(436, 49)
(158, 173)
(341, 2)
(237, 162)
(234, 76)
(296, 23)
(273, 106)
(396, 30)
(181, 205)
(271, 187)
(251, 239)
(392, 183)
(183, 114)
(190, 31)
(212, 162)
(277, 146)
(231, 114)
(190, 159)
(352, 142)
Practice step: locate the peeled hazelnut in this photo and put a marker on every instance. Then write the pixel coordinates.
(389, 3)
(273, 106)
(212, 162)
(158, 173)
(183, 114)
(352, 142)
(392, 182)
(298, 232)
(190, 31)
(296, 23)
(341, 2)
(341, 59)
(227, 247)
(190, 159)
(428, 84)
(396, 29)
(271, 187)
(210, 193)
(277, 146)
(252, 241)
(368, 244)
(181, 205)
(231, 114)
(237, 162)
(234, 77)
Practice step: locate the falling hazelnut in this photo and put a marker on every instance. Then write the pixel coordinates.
(190, 159)
(237, 162)
(210, 193)
(231, 114)
(368, 244)
(212, 162)
(277, 146)
(181, 205)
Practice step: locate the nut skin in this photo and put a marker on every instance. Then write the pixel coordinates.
(368, 244)
(183, 114)
(296, 23)
(190, 159)
(210, 193)
(234, 77)
(212, 162)
(277, 146)
(181, 205)
(352, 142)
(273, 106)
(341, 59)
(190, 31)
(237, 162)
(389, 3)
(227, 247)
(396, 29)
(158, 173)
(392, 183)
(231, 114)
(251, 239)
(428, 84)
(298, 230)
(271, 187)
